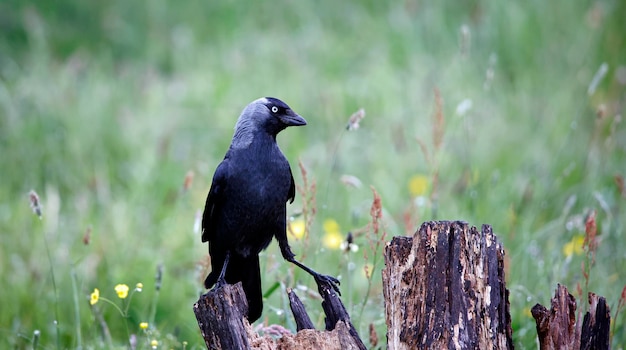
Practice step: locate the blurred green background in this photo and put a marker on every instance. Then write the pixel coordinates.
(107, 108)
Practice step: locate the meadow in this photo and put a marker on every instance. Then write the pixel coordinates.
(114, 115)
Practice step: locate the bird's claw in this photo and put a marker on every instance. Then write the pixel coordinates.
(328, 281)
(221, 282)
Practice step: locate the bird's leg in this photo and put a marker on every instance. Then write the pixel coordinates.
(221, 281)
(319, 278)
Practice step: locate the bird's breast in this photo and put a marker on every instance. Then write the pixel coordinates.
(262, 178)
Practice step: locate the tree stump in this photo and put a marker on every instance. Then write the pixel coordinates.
(557, 327)
(221, 318)
(444, 288)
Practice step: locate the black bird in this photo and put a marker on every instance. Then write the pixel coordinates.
(246, 205)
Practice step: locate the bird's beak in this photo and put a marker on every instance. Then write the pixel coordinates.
(291, 118)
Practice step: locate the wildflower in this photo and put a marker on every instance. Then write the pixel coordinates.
(297, 228)
(121, 290)
(139, 287)
(87, 236)
(330, 225)
(332, 240)
(35, 204)
(158, 278)
(368, 270)
(154, 343)
(590, 233)
(332, 236)
(376, 211)
(355, 119)
(418, 185)
(619, 181)
(373, 335)
(188, 180)
(574, 246)
(36, 335)
(94, 296)
(348, 244)
(143, 325)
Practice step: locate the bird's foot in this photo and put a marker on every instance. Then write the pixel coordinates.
(221, 282)
(329, 282)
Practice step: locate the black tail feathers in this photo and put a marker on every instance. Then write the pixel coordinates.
(247, 271)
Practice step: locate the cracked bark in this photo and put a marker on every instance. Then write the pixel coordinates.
(221, 317)
(557, 327)
(444, 288)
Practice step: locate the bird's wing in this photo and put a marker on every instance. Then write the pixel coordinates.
(292, 188)
(214, 200)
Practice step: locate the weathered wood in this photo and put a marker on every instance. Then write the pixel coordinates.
(595, 332)
(221, 317)
(303, 321)
(444, 288)
(337, 339)
(335, 312)
(557, 328)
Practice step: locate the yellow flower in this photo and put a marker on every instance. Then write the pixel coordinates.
(332, 240)
(418, 185)
(154, 343)
(332, 236)
(526, 312)
(143, 325)
(94, 296)
(139, 287)
(575, 246)
(121, 290)
(330, 225)
(296, 228)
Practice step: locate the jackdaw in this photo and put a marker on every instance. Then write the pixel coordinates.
(246, 205)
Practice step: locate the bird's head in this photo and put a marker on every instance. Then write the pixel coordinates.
(267, 114)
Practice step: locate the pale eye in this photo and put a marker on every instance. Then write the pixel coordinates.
(274, 109)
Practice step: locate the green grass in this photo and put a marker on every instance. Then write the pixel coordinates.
(105, 107)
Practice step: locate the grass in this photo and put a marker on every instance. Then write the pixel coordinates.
(104, 109)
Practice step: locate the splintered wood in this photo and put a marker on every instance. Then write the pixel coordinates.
(557, 327)
(221, 317)
(444, 288)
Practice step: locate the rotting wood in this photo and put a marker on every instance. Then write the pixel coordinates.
(444, 288)
(557, 327)
(595, 330)
(221, 317)
(303, 321)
